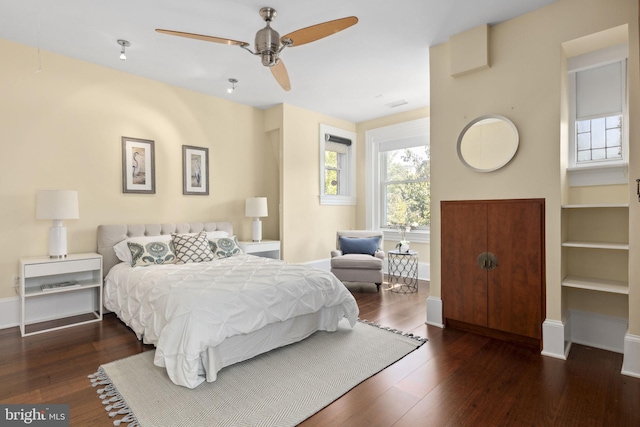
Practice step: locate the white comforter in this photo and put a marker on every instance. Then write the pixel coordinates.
(185, 309)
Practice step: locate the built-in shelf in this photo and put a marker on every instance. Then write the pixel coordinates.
(582, 217)
(597, 245)
(596, 206)
(602, 285)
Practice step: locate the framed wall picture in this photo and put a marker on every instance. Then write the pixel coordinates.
(195, 170)
(138, 166)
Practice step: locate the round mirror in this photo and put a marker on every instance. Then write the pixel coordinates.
(488, 143)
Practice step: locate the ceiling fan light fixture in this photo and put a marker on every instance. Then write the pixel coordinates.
(123, 44)
(233, 82)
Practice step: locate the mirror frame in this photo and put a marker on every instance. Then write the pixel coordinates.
(479, 119)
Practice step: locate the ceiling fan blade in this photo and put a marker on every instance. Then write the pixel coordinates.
(318, 31)
(201, 37)
(279, 71)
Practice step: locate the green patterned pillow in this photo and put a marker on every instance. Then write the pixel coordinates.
(152, 253)
(225, 247)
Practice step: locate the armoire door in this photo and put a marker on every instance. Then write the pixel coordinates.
(464, 283)
(514, 302)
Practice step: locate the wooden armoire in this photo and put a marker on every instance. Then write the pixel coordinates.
(493, 280)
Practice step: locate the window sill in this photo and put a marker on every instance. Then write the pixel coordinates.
(338, 200)
(608, 174)
(418, 236)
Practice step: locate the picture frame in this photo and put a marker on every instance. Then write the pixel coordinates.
(138, 166)
(195, 170)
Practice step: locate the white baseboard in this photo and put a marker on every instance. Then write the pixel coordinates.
(9, 312)
(434, 312)
(554, 343)
(631, 361)
(424, 268)
(596, 330)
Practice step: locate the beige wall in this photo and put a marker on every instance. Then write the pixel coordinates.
(61, 128)
(309, 231)
(524, 84)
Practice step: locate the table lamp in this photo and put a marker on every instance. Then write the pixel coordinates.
(256, 207)
(57, 205)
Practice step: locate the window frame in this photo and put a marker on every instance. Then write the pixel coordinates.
(346, 168)
(412, 130)
(599, 172)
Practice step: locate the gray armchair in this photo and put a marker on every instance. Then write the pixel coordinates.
(358, 256)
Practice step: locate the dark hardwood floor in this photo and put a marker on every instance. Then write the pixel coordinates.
(455, 379)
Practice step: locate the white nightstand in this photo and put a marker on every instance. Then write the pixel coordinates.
(69, 305)
(263, 248)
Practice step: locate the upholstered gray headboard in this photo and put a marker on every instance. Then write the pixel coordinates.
(110, 235)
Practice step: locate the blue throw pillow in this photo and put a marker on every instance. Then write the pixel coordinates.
(359, 245)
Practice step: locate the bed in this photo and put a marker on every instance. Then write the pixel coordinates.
(203, 316)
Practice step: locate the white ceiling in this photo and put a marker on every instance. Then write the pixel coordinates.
(352, 75)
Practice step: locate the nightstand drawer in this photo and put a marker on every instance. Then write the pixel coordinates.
(61, 267)
(261, 247)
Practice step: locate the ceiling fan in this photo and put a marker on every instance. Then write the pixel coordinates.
(269, 44)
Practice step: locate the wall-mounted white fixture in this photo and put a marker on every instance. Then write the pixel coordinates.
(256, 207)
(57, 205)
(123, 44)
(233, 82)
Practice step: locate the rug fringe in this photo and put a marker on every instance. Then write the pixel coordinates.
(112, 400)
(418, 338)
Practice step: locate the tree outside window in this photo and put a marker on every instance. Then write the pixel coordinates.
(405, 187)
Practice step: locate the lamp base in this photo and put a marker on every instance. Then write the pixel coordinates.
(256, 230)
(57, 240)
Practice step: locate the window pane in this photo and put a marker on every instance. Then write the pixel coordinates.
(584, 126)
(599, 154)
(614, 122)
(584, 141)
(405, 186)
(614, 153)
(407, 164)
(614, 137)
(331, 182)
(584, 156)
(597, 133)
(330, 159)
(407, 203)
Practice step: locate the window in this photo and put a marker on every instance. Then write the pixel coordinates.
(598, 117)
(398, 174)
(337, 166)
(404, 186)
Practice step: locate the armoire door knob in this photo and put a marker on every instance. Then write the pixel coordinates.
(487, 261)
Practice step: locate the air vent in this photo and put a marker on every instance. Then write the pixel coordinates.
(395, 104)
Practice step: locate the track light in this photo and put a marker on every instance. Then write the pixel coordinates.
(233, 85)
(124, 44)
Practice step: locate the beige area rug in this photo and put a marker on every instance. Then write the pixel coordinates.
(280, 388)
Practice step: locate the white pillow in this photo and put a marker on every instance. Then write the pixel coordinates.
(124, 254)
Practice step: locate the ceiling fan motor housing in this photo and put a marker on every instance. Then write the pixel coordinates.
(268, 45)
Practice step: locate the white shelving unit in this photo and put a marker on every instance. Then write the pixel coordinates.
(65, 306)
(610, 251)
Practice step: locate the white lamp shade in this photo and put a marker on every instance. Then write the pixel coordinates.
(57, 204)
(256, 207)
